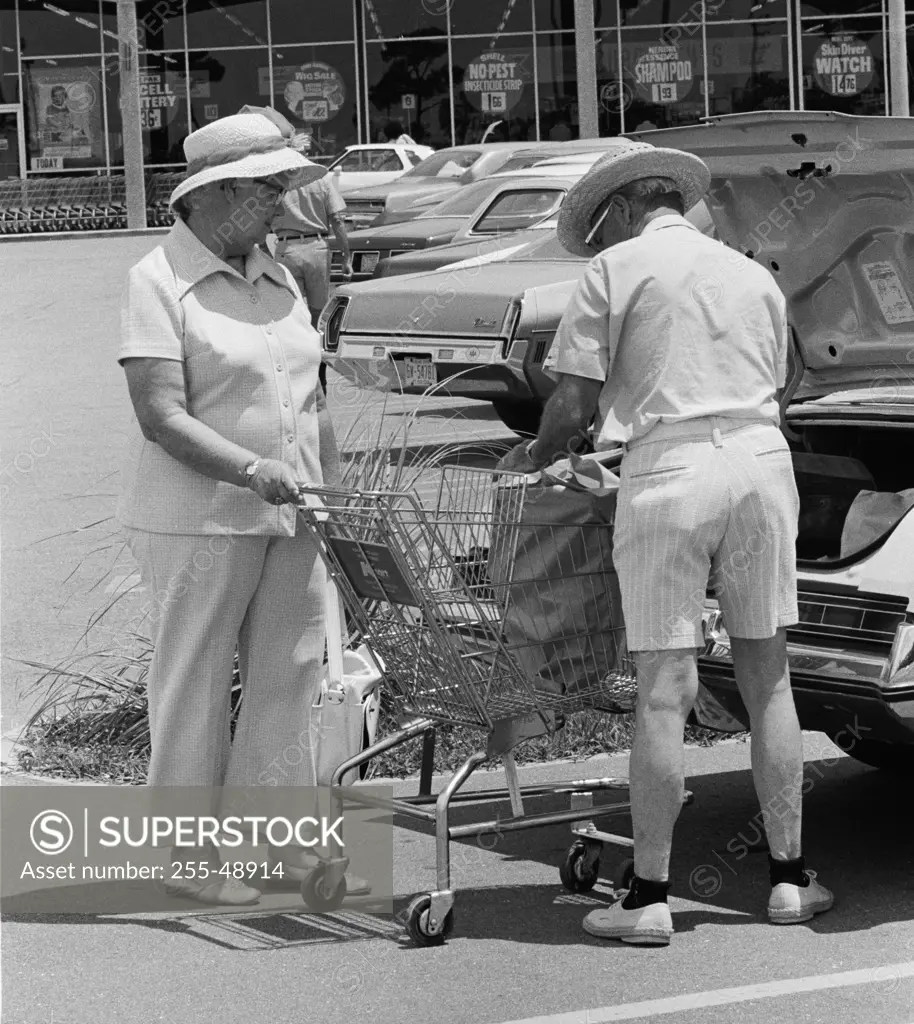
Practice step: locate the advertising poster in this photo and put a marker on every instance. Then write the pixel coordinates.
(663, 74)
(161, 95)
(494, 82)
(843, 66)
(68, 113)
(313, 92)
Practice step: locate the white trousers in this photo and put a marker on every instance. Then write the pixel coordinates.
(209, 596)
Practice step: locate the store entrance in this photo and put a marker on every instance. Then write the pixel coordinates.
(11, 149)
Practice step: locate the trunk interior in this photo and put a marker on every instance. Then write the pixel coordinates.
(832, 465)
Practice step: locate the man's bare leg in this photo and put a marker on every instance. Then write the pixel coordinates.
(763, 678)
(667, 687)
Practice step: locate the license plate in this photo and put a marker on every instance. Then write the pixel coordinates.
(368, 262)
(418, 373)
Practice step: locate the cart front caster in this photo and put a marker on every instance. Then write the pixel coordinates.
(418, 927)
(581, 869)
(317, 896)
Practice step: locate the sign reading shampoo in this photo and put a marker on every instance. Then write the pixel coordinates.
(663, 74)
(843, 66)
(494, 82)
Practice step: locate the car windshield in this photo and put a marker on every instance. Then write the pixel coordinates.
(548, 248)
(445, 164)
(466, 200)
(515, 211)
(524, 160)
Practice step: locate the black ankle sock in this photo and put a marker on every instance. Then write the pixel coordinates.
(791, 871)
(643, 893)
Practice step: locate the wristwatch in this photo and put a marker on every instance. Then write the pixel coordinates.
(250, 471)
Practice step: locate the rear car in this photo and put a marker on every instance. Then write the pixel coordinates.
(363, 166)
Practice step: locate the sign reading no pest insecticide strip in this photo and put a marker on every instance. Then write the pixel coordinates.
(494, 82)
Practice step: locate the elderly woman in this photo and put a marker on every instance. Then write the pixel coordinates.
(222, 367)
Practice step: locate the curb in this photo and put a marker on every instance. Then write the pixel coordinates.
(63, 236)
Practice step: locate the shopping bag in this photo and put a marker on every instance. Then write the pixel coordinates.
(551, 563)
(344, 716)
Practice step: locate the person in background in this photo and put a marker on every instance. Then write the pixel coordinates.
(679, 347)
(301, 224)
(221, 361)
(393, 132)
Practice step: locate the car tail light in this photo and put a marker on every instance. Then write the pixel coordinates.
(901, 662)
(509, 326)
(331, 322)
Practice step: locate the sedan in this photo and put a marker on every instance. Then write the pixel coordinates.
(477, 212)
(361, 166)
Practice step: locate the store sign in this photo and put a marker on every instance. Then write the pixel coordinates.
(160, 93)
(314, 92)
(735, 55)
(664, 74)
(68, 115)
(843, 66)
(494, 82)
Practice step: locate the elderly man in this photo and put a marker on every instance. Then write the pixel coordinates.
(679, 345)
(301, 224)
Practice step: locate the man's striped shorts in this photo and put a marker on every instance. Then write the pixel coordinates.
(709, 501)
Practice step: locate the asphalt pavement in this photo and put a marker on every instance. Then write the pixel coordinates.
(518, 953)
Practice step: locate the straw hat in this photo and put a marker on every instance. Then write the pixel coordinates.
(250, 145)
(627, 161)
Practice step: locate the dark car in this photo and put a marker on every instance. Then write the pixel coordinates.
(436, 176)
(475, 213)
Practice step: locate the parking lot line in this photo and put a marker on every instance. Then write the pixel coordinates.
(723, 996)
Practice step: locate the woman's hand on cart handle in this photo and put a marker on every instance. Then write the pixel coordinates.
(519, 460)
(275, 483)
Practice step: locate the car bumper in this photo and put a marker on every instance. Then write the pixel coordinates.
(483, 372)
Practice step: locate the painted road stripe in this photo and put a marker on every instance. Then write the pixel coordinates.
(723, 996)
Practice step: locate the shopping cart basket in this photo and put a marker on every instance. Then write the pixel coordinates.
(436, 593)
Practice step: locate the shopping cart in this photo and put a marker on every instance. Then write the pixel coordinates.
(460, 628)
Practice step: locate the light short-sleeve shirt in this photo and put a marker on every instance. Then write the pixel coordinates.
(310, 208)
(250, 358)
(679, 326)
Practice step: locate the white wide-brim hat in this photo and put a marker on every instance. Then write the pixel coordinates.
(625, 162)
(243, 146)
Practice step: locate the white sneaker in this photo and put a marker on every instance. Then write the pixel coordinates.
(646, 926)
(791, 904)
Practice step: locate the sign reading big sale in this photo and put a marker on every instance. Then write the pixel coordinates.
(494, 81)
(843, 65)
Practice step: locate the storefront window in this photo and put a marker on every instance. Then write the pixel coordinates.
(398, 19)
(495, 16)
(222, 81)
(408, 82)
(844, 66)
(745, 10)
(656, 12)
(330, 22)
(747, 67)
(662, 77)
(226, 23)
(163, 110)
(315, 88)
(160, 24)
(840, 7)
(494, 87)
(67, 26)
(9, 64)
(64, 119)
(558, 89)
(555, 15)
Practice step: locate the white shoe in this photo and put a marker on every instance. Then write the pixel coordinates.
(646, 926)
(791, 904)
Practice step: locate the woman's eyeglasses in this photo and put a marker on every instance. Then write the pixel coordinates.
(269, 192)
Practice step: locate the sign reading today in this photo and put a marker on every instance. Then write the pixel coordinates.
(663, 74)
(494, 82)
(843, 65)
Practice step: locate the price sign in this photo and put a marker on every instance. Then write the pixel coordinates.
(663, 74)
(843, 66)
(494, 82)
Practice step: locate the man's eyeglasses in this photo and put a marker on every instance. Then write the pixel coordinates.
(596, 221)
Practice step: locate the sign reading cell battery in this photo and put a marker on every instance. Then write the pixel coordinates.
(843, 66)
(159, 93)
(664, 74)
(494, 82)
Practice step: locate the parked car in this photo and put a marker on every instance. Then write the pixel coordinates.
(824, 200)
(476, 212)
(438, 175)
(376, 164)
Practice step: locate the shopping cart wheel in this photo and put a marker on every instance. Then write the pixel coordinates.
(417, 923)
(581, 868)
(315, 894)
(625, 872)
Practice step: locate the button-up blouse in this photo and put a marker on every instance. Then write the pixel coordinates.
(250, 359)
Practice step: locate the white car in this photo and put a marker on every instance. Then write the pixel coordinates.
(361, 166)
